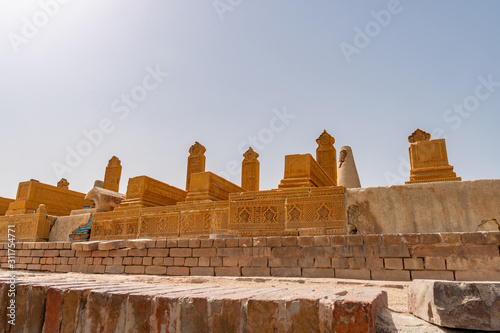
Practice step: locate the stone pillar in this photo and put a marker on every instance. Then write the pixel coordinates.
(326, 155)
(250, 168)
(347, 173)
(113, 174)
(196, 161)
(63, 183)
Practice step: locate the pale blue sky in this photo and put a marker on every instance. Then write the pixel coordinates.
(231, 69)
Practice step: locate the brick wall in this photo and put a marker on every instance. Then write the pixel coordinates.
(446, 256)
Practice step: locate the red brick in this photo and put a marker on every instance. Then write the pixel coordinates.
(393, 263)
(156, 270)
(354, 239)
(274, 241)
(413, 263)
(179, 261)
(255, 271)
(392, 240)
(204, 262)
(434, 263)
(260, 241)
(36, 253)
(79, 253)
(126, 261)
(480, 250)
(435, 251)
(216, 262)
(146, 261)
(230, 252)
(373, 240)
(168, 261)
(433, 275)
(137, 260)
(318, 272)
(178, 271)
(303, 262)
(493, 238)
(338, 240)
(390, 275)
(219, 242)
(411, 238)
(138, 252)
(134, 269)
(171, 243)
(340, 263)
(194, 243)
(180, 252)
(451, 238)
(305, 241)
(67, 253)
(119, 253)
(183, 243)
(51, 268)
(430, 238)
(375, 263)
(191, 262)
(158, 252)
(232, 242)
(245, 242)
(227, 271)
(202, 271)
(204, 252)
(361, 274)
(294, 252)
(230, 262)
(99, 253)
(476, 238)
(289, 241)
(356, 263)
(286, 272)
(158, 261)
(477, 276)
(161, 243)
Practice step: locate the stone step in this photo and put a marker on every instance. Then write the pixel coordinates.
(101, 306)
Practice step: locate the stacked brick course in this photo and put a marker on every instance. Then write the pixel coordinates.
(401, 257)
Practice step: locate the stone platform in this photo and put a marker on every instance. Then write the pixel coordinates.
(91, 303)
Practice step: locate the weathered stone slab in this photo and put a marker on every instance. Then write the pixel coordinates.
(469, 305)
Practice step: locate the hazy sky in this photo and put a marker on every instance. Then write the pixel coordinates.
(81, 81)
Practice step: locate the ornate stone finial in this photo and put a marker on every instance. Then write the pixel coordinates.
(250, 155)
(326, 155)
(325, 139)
(113, 174)
(114, 161)
(63, 183)
(250, 170)
(196, 162)
(419, 135)
(196, 150)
